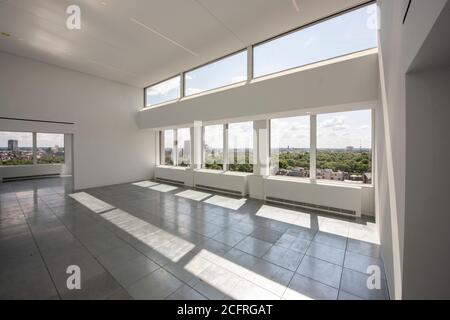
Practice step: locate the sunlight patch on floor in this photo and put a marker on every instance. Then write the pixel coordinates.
(91, 202)
(285, 215)
(163, 188)
(226, 202)
(333, 226)
(145, 184)
(193, 195)
(165, 243)
(232, 279)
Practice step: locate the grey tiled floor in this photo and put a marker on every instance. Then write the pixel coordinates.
(154, 241)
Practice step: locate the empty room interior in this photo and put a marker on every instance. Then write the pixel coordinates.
(212, 150)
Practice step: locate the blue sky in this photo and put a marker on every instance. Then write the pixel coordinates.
(351, 32)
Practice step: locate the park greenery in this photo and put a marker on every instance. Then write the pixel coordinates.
(350, 162)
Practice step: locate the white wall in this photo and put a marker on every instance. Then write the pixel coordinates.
(399, 45)
(426, 260)
(108, 146)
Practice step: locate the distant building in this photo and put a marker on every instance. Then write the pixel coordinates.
(187, 148)
(350, 149)
(13, 145)
(329, 174)
(367, 177)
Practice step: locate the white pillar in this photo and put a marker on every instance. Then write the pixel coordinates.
(196, 145)
(261, 146)
(34, 148)
(313, 147)
(249, 64)
(67, 167)
(225, 147)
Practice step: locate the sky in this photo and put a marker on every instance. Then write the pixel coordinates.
(334, 131)
(44, 140)
(351, 32)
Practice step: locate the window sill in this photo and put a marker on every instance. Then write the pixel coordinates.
(319, 182)
(172, 167)
(227, 173)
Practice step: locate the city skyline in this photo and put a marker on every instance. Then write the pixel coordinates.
(25, 139)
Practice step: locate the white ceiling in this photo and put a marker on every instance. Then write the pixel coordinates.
(139, 42)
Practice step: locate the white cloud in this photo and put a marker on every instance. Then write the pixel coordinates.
(164, 87)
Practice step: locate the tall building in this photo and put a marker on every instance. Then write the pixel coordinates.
(13, 145)
(187, 148)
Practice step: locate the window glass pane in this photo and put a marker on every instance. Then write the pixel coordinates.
(240, 146)
(16, 148)
(50, 148)
(214, 147)
(350, 32)
(290, 143)
(162, 92)
(229, 70)
(168, 147)
(184, 147)
(344, 146)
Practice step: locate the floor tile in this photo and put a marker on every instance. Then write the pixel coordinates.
(266, 234)
(355, 283)
(186, 293)
(322, 271)
(134, 242)
(284, 257)
(327, 253)
(130, 271)
(362, 263)
(331, 240)
(157, 285)
(364, 248)
(230, 237)
(270, 277)
(302, 288)
(254, 246)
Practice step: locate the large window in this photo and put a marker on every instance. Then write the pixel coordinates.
(16, 148)
(290, 146)
(347, 33)
(213, 147)
(163, 92)
(229, 70)
(240, 146)
(50, 148)
(168, 152)
(184, 147)
(344, 146)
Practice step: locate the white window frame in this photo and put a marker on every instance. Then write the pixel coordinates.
(313, 147)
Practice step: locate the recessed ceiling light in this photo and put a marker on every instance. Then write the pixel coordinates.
(6, 34)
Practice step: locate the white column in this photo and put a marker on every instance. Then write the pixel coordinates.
(225, 147)
(34, 148)
(249, 63)
(261, 146)
(175, 147)
(313, 147)
(182, 85)
(196, 145)
(67, 167)
(162, 154)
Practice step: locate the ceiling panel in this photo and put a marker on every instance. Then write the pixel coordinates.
(139, 42)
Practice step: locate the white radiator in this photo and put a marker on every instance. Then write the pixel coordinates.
(341, 199)
(228, 182)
